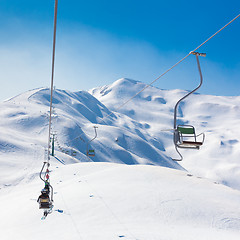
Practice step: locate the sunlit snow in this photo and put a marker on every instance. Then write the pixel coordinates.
(131, 189)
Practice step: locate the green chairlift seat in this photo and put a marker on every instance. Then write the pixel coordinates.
(187, 138)
(91, 153)
(74, 153)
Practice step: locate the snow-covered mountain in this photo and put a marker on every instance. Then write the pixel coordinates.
(24, 124)
(110, 200)
(217, 116)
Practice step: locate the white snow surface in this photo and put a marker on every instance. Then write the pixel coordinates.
(131, 189)
(115, 201)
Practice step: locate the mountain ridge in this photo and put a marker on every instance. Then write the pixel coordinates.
(131, 189)
(134, 134)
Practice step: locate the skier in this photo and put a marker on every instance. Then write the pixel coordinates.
(44, 201)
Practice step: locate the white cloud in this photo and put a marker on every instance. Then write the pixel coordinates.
(86, 58)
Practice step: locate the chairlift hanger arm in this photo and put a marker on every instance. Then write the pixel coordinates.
(180, 155)
(51, 192)
(45, 180)
(194, 90)
(95, 127)
(40, 174)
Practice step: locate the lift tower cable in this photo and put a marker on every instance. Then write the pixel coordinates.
(164, 73)
(52, 77)
(46, 201)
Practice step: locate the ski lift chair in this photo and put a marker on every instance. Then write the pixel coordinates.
(184, 135)
(74, 153)
(187, 138)
(45, 203)
(45, 200)
(91, 153)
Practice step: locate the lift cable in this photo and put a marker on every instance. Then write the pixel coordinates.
(46, 201)
(46, 163)
(52, 77)
(147, 86)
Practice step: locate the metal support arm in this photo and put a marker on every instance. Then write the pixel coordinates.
(95, 127)
(176, 134)
(200, 84)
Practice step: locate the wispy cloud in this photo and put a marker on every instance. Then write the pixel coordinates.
(87, 58)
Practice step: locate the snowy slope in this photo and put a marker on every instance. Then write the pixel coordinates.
(102, 199)
(216, 116)
(114, 201)
(24, 131)
(132, 134)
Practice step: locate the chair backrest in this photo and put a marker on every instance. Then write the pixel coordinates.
(91, 152)
(186, 129)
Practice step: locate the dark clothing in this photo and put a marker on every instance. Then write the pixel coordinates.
(44, 201)
(43, 196)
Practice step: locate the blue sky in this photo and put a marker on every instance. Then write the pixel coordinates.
(99, 42)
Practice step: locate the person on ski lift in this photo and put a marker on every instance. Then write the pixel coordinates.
(43, 199)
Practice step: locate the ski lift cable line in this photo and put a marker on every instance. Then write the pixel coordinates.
(147, 86)
(52, 77)
(169, 69)
(45, 201)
